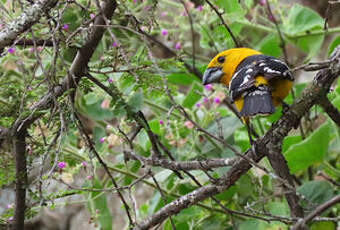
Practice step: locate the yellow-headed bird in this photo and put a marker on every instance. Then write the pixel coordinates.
(257, 83)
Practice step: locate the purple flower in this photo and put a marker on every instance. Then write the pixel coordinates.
(198, 105)
(61, 165)
(30, 152)
(65, 27)
(184, 13)
(205, 100)
(114, 44)
(110, 80)
(161, 122)
(217, 100)
(147, 8)
(84, 164)
(271, 18)
(101, 140)
(208, 87)
(263, 2)
(31, 50)
(143, 28)
(178, 46)
(199, 8)
(92, 16)
(164, 13)
(164, 32)
(134, 1)
(10, 218)
(11, 50)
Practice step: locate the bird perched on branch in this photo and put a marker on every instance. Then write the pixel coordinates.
(257, 83)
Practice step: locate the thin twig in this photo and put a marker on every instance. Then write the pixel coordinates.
(317, 211)
(237, 44)
(283, 44)
(330, 109)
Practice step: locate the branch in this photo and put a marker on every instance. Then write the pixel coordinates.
(283, 44)
(182, 165)
(30, 42)
(237, 44)
(79, 64)
(280, 167)
(106, 168)
(17, 132)
(330, 109)
(22, 23)
(19, 148)
(319, 87)
(317, 211)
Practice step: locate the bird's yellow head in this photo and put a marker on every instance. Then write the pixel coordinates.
(223, 65)
(215, 70)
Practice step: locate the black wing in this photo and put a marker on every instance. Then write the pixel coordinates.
(245, 74)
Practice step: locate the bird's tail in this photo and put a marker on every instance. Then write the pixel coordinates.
(257, 101)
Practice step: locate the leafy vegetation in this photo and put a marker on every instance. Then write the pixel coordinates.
(144, 75)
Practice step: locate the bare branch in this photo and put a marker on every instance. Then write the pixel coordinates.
(330, 109)
(22, 23)
(183, 165)
(19, 148)
(317, 211)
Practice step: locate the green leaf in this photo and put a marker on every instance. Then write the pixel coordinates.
(301, 19)
(192, 96)
(324, 225)
(163, 175)
(311, 45)
(245, 188)
(98, 132)
(180, 78)
(334, 44)
(278, 208)
(252, 225)
(300, 156)
(213, 222)
(136, 101)
(231, 7)
(100, 204)
(156, 203)
(228, 194)
(154, 126)
(249, 3)
(270, 45)
(289, 141)
(70, 17)
(228, 126)
(143, 140)
(316, 192)
(242, 139)
(90, 105)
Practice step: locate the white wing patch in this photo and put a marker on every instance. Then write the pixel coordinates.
(245, 80)
(269, 70)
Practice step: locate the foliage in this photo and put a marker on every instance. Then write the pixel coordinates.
(144, 73)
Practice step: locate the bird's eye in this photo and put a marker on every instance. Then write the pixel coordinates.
(220, 59)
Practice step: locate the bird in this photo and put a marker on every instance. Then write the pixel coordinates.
(257, 83)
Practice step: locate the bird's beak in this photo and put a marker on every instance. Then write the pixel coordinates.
(212, 75)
